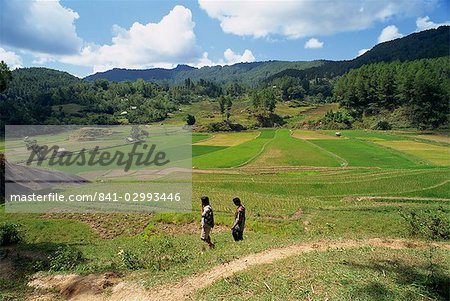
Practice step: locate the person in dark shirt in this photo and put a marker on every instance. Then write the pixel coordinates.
(207, 221)
(239, 221)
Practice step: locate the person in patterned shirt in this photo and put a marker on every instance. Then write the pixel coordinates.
(239, 221)
(207, 221)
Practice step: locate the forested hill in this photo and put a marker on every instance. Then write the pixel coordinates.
(156, 74)
(247, 73)
(431, 43)
(426, 44)
(34, 81)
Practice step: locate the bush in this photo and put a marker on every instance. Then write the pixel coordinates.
(130, 261)
(337, 120)
(382, 125)
(65, 258)
(269, 120)
(190, 119)
(225, 126)
(9, 234)
(432, 224)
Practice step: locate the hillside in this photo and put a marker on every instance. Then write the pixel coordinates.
(248, 73)
(426, 44)
(38, 80)
(431, 43)
(156, 74)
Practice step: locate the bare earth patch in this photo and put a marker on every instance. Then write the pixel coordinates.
(229, 139)
(109, 225)
(72, 286)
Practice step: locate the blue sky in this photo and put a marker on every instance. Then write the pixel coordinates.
(82, 37)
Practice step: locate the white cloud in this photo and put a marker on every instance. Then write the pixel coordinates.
(302, 18)
(10, 58)
(41, 26)
(164, 44)
(229, 58)
(232, 58)
(389, 33)
(362, 51)
(424, 23)
(313, 43)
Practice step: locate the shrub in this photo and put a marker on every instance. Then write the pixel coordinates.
(130, 260)
(9, 234)
(432, 224)
(225, 126)
(65, 258)
(190, 119)
(269, 120)
(337, 120)
(382, 125)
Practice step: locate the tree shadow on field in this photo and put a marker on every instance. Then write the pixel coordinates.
(433, 279)
(375, 291)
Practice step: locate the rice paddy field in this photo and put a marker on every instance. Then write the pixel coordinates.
(298, 187)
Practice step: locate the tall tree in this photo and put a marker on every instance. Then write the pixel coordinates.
(5, 76)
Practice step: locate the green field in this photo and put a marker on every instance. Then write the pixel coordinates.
(198, 150)
(434, 154)
(233, 156)
(283, 150)
(297, 190)
(196, 137)
(362, 153)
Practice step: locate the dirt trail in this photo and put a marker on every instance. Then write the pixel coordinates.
(395, 198)
(185, 288)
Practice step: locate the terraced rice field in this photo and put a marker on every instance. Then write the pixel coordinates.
(300, 148)
(283, 150)
(283, 195)
(232, 156)
(307, 170)
(229, 139)
(438, 155)
(362, 153)
(437, 138)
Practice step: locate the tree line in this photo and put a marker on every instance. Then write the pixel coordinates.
(43, 96)
(420, 87)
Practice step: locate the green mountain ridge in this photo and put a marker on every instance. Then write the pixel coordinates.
(426, 44)
(247, 73)
(432, 43)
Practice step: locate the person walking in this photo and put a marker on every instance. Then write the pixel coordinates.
(207, 221)
(239, 221)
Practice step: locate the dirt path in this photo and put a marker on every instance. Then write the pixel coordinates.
(185, 288)
(399, 198)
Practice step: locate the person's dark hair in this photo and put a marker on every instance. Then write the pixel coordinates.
(237, 201)
(205, 200)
